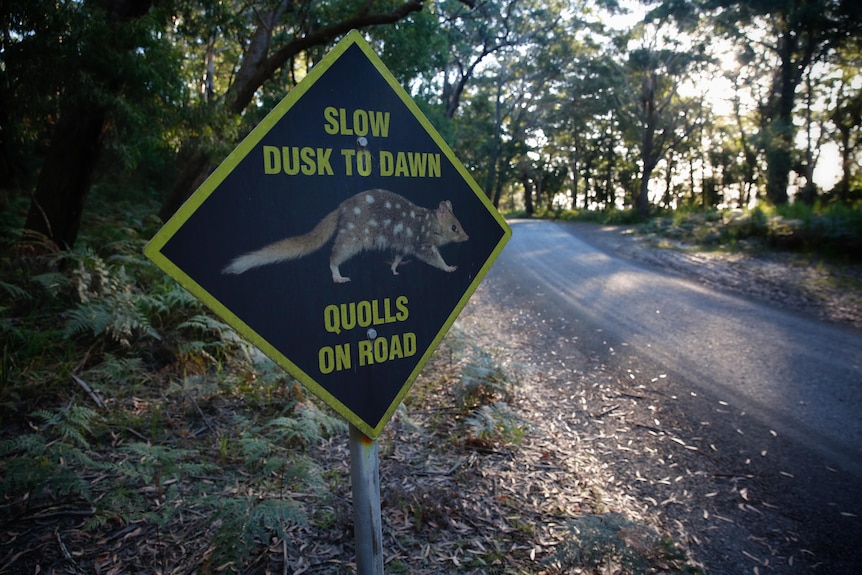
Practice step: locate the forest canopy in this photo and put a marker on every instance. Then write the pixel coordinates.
(593, 104)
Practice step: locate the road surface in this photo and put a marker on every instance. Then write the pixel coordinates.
(779, 392)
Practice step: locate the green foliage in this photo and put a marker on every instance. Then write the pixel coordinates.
(485, 387)
(610, 216)
(483, 381)
(244, 523)
(833, 230)
(122, 399)
(612, 543)
(44, 463)
(495, 424)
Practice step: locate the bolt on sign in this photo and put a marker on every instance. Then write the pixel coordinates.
(342, 237)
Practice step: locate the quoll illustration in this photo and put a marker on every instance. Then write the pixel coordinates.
(370, 220)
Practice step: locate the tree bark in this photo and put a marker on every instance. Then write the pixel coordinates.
(57, 205)
(780, 132)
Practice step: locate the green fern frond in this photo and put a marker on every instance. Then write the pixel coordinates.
(307, 425)
(115, 369)
(205, 324)
(53, 283)
(69, 423)
(150, 460)
(15, 292)
(29, 444)
(496, 423)
(247, 522)
(256, 448)
(118, 317)
(47, 461)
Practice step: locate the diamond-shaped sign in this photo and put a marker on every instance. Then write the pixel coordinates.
(342, 237)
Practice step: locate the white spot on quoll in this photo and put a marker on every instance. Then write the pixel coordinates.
(369, 198)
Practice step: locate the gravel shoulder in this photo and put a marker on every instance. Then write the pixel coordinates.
(693, 473)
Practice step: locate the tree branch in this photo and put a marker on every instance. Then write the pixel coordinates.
(243, 94)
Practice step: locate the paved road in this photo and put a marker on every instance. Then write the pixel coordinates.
(791, 384)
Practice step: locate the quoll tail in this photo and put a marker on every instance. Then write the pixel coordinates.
(287, 249)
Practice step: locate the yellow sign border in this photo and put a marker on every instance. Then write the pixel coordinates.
(154, 247)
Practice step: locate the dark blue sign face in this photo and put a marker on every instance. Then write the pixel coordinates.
(342, 237)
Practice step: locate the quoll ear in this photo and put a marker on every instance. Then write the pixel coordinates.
(445, 206)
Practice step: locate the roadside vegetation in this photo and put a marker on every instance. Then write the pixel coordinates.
(832, 231)
(138, 433)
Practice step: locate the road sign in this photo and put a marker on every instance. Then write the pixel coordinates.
(342, 237)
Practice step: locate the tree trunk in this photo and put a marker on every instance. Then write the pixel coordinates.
(780, 132)
(846, 164)
(524, 175)
(66, 176)
(193, 173)
(649, 150)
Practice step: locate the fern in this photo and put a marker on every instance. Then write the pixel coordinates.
(15, 292)
(70, 423)
(496, 423)
(120, 370)
(45, 461)
(52, 283)
(483, 381)
(308, 425)
(119, 316)
(244, 522)
(153, 464)
(226, 338)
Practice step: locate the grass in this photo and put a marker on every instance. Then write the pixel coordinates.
(832, 231)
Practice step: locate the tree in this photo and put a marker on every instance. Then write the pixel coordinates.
(102, 62)
(480, 30)
(96, 55)
(846, 117)
(651, 107)
(280, 33)
(795, 34)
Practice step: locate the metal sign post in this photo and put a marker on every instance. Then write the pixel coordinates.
(367, 523)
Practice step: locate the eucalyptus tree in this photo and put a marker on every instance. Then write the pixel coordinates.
(277, 36)
(790, 36)
(655, 117)
(75, 74)
(490, 110)
(846, 118)
(581, 114)
(488, 83)
(480, 30)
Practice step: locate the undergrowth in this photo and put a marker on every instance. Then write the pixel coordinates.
(126, 406)
(138, 429)
(825, 230)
